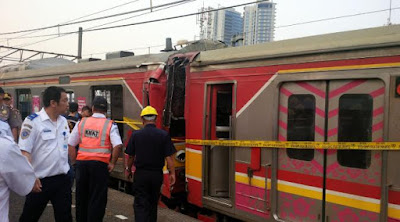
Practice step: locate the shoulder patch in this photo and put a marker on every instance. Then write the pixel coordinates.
(25, 133)
(32, 116)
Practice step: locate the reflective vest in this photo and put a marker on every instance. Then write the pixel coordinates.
(95, 141)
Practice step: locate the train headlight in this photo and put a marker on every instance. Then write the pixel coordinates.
(180, 156)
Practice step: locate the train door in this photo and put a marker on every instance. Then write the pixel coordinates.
(353, 177)
(219, 127)
(24, 102)
(317, 185)
(300, 172)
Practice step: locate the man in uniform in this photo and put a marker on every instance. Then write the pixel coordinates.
(86, 111)
(44, 141)
(98, 138)
(16, 173)
(5, 129)
(5, 114)
(14, 114)
(148, 148)
(73, 115)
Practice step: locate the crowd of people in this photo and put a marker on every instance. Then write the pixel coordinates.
(41, 156)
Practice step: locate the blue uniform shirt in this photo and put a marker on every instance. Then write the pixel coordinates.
(150, 146)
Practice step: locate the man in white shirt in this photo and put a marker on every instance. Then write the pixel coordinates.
(44, 141)
(5, 128)
(16, 173)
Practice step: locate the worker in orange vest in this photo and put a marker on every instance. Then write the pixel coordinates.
(99, 148)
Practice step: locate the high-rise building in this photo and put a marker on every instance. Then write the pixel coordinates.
(259, 23)
(220, 25)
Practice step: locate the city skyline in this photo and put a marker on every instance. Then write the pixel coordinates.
(220, 25)
(259, 23)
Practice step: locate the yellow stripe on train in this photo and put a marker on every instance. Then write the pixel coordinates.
(333, 68)
(299, 144)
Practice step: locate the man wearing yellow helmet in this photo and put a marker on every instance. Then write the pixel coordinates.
(148, 148)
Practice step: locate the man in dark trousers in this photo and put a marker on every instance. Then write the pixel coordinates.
(99, 142)
(148, 148)
(44, 141)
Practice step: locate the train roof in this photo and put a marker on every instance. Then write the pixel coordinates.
(341, 41)
(131, 62)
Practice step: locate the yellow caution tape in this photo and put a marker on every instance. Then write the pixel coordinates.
(130, 122)
(300, 144)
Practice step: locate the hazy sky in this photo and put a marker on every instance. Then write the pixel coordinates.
(27, 14)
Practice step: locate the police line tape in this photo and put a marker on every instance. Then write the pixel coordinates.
(132, 123)
(281, 144)
(299, 144)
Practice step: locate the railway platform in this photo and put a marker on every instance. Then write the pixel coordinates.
(119, 208)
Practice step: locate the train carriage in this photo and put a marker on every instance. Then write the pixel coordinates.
(335, 87)
(122, 81)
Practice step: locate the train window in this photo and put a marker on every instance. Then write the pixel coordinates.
(301, 124)
(24, 102)
(71, 96)
(113, 94)
(355, 125)
(224, 113)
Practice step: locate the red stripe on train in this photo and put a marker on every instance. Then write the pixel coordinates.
(394, 197)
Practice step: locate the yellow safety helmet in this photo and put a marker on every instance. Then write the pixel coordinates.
(149, 110)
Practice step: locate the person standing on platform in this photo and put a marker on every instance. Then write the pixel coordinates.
(14, 114)
(99, 141)
(44, 141)
(86, 111)
(5, 114)
(73, 116)
(16, 174)
(5, 129)
(147, 149)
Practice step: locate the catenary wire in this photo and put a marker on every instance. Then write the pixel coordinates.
(85, 16)
(94, 19)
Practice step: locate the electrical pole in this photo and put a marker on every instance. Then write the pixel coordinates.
(390, 13)
(80, 43)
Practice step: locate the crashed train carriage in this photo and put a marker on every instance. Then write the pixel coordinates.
(334, 87)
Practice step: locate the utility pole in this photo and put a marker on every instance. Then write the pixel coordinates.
(80, 43)
(390, 13)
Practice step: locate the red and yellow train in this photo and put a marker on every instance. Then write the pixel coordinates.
(337, 87)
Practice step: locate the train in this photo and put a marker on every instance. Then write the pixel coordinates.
(341, 87)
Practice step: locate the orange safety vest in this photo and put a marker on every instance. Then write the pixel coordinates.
(95, 143)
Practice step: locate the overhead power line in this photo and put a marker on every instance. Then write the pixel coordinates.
(338, 17)
(101, 11)
(85, 16)
(108, 23)
(224, 8)
(162, 19)
(59, 35)
(94, 19)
